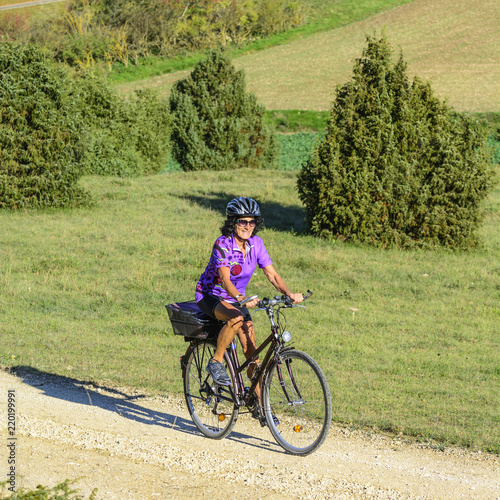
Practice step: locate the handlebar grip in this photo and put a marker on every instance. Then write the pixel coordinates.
(248, 299)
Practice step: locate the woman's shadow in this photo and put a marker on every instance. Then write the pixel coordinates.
(114, 400)
(277, 216)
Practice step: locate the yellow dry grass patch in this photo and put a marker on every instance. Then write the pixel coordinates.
(454, 44)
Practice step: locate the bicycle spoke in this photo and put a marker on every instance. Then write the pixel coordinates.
(210, 406)
(297, 394)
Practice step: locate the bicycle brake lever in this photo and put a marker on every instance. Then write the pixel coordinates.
(286, 300)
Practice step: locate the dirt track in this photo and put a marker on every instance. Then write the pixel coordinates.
(22, 5)
(130, 446)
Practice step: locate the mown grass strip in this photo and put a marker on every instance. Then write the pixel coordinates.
(83, 294)
(290, 121)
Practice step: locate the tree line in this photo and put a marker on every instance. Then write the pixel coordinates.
(125, 31)
(395, 167)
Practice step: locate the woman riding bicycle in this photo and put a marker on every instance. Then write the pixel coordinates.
(235, 255)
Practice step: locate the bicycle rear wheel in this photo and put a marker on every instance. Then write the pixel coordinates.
(215, 417)
(297, 394)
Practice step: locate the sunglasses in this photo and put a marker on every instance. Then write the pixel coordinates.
(243, 222)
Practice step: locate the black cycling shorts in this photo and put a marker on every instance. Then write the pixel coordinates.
(209, 302)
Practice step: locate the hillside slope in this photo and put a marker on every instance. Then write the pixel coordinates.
(455, 44)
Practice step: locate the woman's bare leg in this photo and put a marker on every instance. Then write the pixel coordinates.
(234, 321)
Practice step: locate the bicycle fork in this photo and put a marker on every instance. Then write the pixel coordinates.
(294, 386)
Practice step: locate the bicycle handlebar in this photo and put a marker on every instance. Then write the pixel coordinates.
(265, 302)
(284, 299)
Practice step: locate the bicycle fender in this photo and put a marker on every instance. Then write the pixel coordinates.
(286, 349)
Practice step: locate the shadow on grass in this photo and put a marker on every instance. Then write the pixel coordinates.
(116, 401)
(279, 217)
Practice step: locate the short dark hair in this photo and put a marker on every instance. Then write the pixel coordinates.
(227, 229)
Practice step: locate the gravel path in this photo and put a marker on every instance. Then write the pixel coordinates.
(22, 5)
(131, 446)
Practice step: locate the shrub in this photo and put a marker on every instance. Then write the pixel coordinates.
(62, 491)
(396, 166)
(55, 126)
(39, 153)
(216, 124)
(120, 137)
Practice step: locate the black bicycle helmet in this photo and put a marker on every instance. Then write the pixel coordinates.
(243, 207)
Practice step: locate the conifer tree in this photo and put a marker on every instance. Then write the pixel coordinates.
(397, 166)
(217, 125)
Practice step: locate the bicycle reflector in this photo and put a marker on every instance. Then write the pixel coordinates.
(286, 336)
(297, 428)
(222, 417)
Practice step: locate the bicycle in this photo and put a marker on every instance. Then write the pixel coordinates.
(296, 397)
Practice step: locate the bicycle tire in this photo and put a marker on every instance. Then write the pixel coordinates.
(214, 417)
(296, 393)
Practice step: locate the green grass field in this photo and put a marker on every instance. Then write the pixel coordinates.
(83, 295)
(453, 44)
(83, 291)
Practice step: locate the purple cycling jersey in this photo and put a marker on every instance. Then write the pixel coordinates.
(226, 253)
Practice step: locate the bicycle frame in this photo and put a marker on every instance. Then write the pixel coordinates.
(239, 395)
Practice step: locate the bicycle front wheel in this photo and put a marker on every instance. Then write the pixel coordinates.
(210, 405)
(297, 403)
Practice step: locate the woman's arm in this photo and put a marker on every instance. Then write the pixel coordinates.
(278, 283)
(225, 280)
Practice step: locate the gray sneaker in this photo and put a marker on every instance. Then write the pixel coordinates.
(218, 372)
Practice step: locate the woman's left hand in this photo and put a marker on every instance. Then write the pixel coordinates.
(296, 297)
